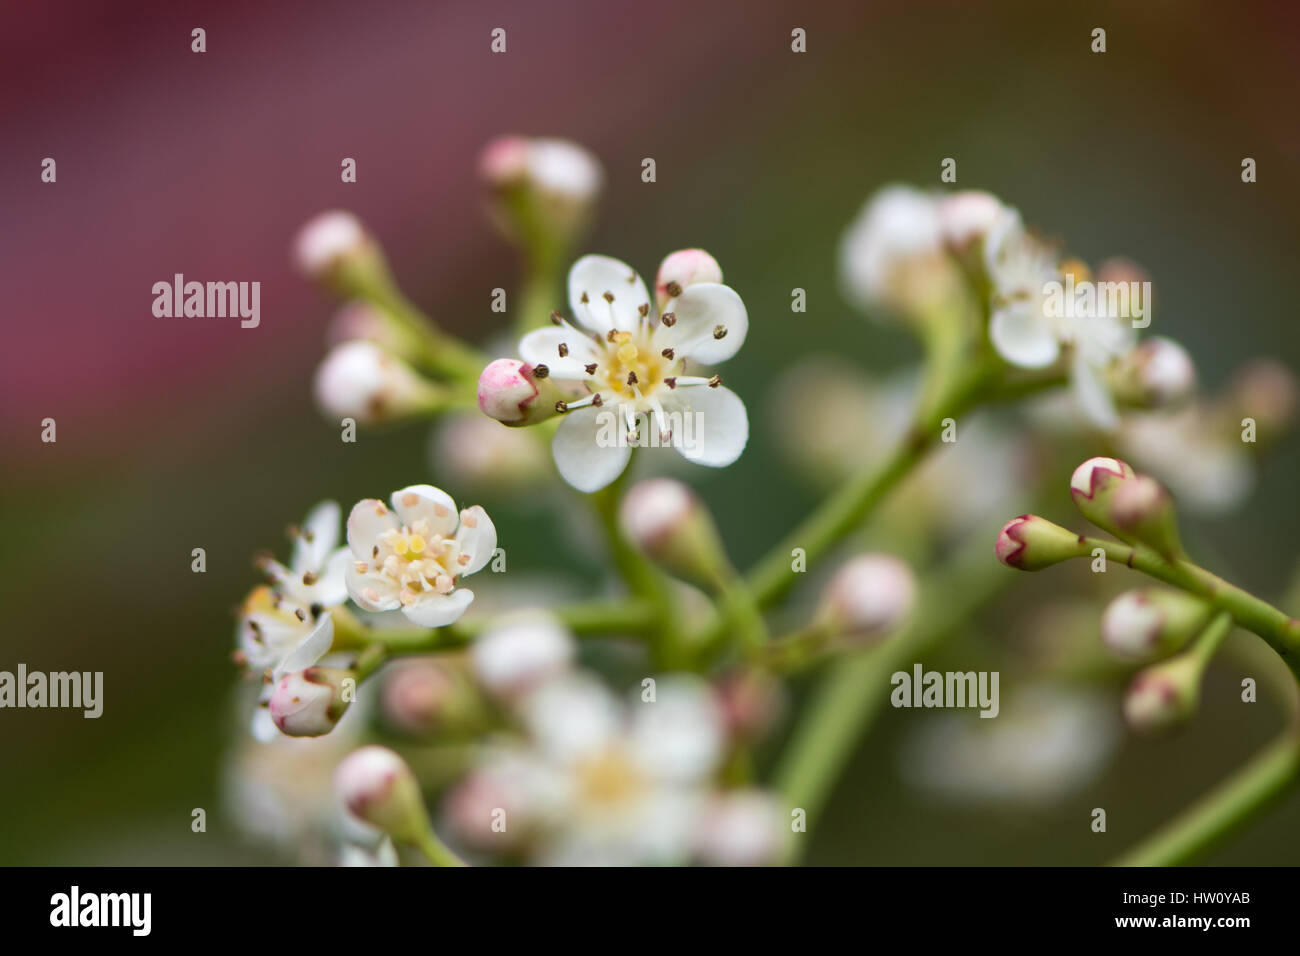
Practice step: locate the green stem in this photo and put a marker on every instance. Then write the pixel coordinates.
(1280, 630)
(742, 614)
(437, 852)
(855, 688)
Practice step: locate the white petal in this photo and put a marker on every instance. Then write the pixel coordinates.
(679, 737)
(426, 503)
(317, 538)
(371, 590)
(439, 610)
(593, 276)
(542, 347)
(369, 519)
(700, 310)
(476, 538)
(1023, 336)
(1092, 395)
(586, 448)
(315, 646)
(332, 587)
(715, 426)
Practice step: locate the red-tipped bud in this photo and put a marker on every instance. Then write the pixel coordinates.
(666, 519)
(1031, 543)
(1164, 695)
(869, 598)
(516, 393)
(1157, 373)
(1150, 623)
(308, 703)
(682, 269)
(376, 786)
(1093, 486)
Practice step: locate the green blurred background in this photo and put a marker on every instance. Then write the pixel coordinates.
(175, 434)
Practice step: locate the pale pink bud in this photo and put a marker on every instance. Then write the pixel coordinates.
(1151, 622)
(546, 188)
(1164, 694)
(327, 241)
(742, 828)
(376, 786)
(418, 695)
(359, 380)
(752, 701)
(870, 596)
(1093, 486)
(666, 519)
(682, 269)
(1157, 372)
(516, 393)
(521, 652)
(310, 702)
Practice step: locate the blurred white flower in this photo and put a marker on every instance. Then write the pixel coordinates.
(360, 380)
(470, 449)
(277, 635)
(631, 361)
(412, 556)
(316, 573)
(521, 651)
(1049, 740)
(1208, 469)
(600, 783)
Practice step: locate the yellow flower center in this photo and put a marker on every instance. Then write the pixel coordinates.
(607, 778)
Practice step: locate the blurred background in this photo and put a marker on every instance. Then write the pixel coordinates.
(183, 433)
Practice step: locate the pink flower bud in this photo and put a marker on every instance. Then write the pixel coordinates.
(967, 216)
(376, 786)
(308, 703)
(1163, 695)
(752, 701)
(1265, 391)
(1148, 623)
(1031, 543)
(419, 695)
(328, 241)
(1093, 486)
(544, 189)
(359, 380)
(870, 597)
(1143, 511)
(516, 393)
(683, 269)
(666, 519)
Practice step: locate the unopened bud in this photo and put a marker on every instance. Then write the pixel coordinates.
(308, 703)
(683, 269)
(1164, 695)
(521, 652)
(752, 701)
(361, 320)
(1093, 486)
(516, 393)
(1150, 623)
(420, 696)
(1157, 373)
(1031, 543)
(545, 189)
(869, 598)
(1265, 391)
(1143, 511)
(333, 248)
(376, 786)
(667, 520)
(743, 828)
(360, 380)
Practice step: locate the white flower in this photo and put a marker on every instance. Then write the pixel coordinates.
(1019, 268)
(280, 635)
(603, 784)
(1204, 464)
(632, 362)
(555, 167)
(742, 828)
(521, 651)
(412, 556)
(898, 228)
(316, 575)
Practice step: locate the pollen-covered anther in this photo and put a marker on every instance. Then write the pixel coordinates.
(611, 335)
(557, 318)
(674, 289)
(300, 614)
(719, 331)
(563, 349)
(643, 309)
(668, 354)
(541, 371)
(607, 296)
(597, 400)
(669, 319)
(591, 369)
(309, 579)
(671, 382)
(715, 381)
(631, 378)
(561, 407)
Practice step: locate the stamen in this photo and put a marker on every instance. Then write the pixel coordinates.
(557, 318)
(564, 349)
(643, 310)
(611, 335)
(608, 296)
(668, 353)
(300, 614)
(561, 407)
(669, 319)
(674, 289)
(309, 579)
(583, 298)
(591, 369)
(719, 331)
(671, 382)
(715, 381)
(597, 400)
(631, 378)
(541, 371)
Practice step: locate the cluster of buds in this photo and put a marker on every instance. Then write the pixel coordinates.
(543, 190)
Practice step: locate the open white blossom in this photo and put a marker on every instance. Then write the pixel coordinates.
(316, 575)
(633, 364)
(600, 783)
(413, 555)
